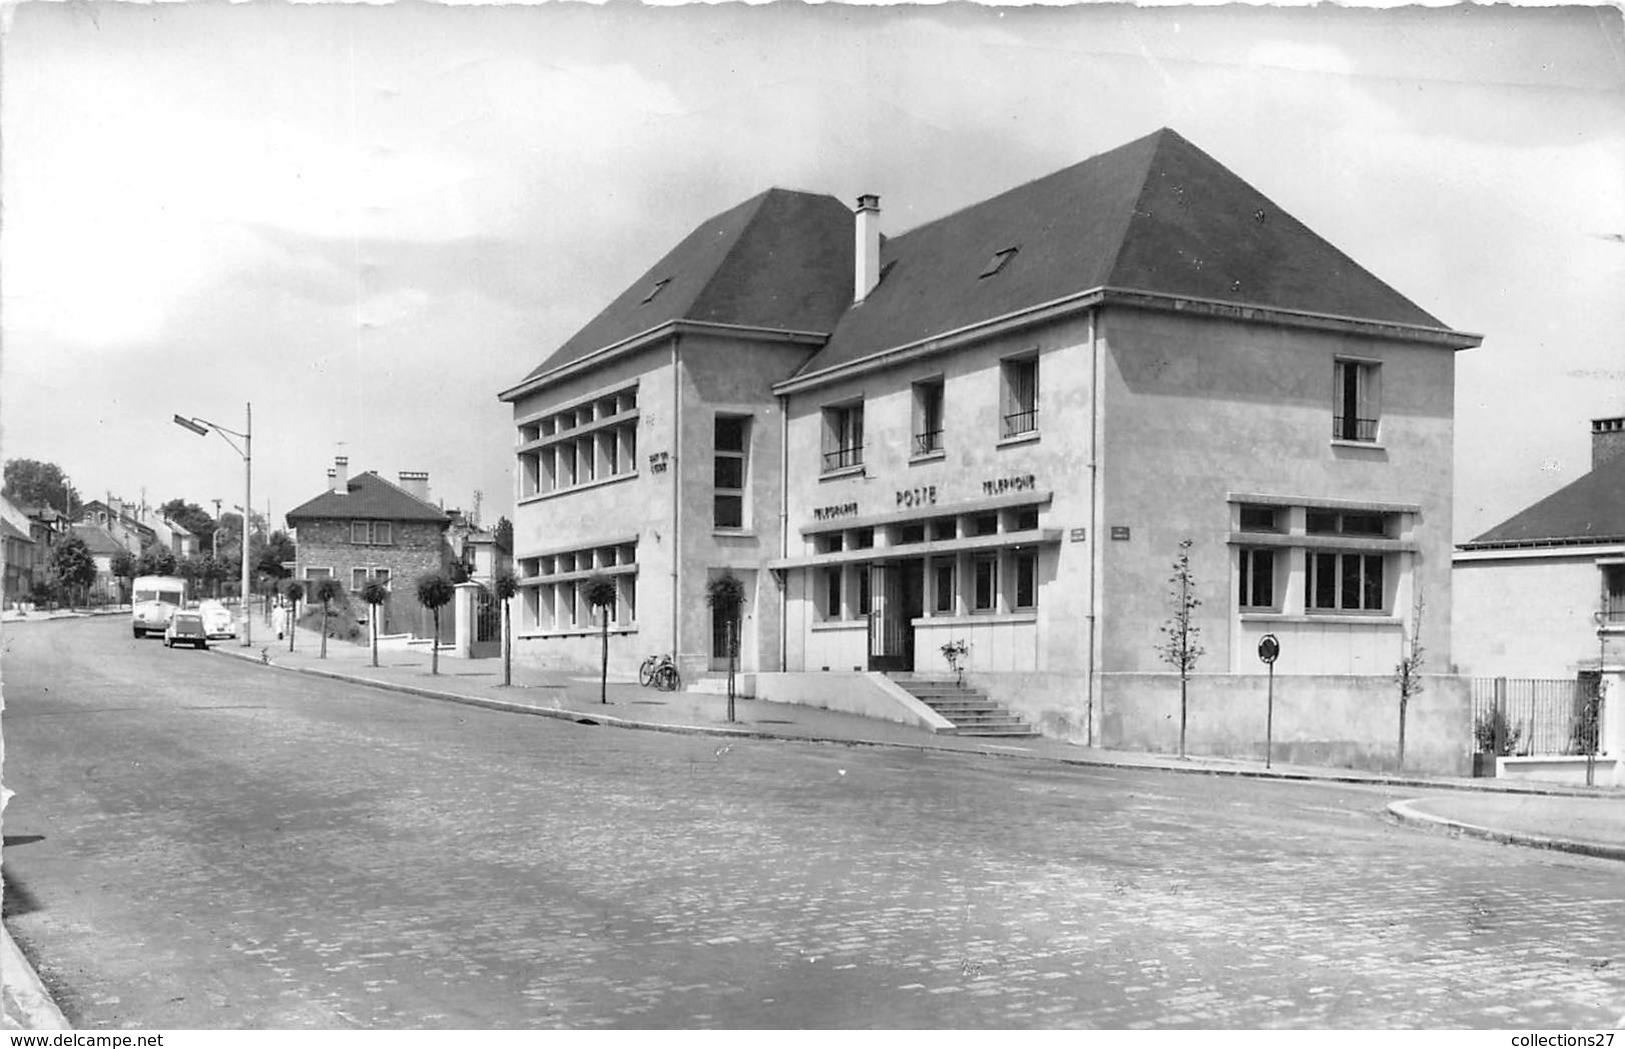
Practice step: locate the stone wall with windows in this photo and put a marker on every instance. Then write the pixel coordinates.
(327, 548)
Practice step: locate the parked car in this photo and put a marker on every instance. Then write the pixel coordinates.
(186, 628)
(217, 620)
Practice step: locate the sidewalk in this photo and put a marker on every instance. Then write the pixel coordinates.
(1584, 813)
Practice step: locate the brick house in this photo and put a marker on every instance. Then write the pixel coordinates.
(364, 528)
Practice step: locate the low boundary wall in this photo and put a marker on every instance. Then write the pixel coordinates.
(1341, 721)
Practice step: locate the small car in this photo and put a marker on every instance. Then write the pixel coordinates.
(218, 621)
(186, 628)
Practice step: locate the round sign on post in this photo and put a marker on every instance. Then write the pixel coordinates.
(1269, 648)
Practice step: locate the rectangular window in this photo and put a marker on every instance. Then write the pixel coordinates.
(732, 434)
(1356, 400)
(1613, 593)
(843, 437)
(358, 578)
(1260, 518)
(985, 588)
(1020, 397)
(928, 417)
(942, 584)
(1257, 578)
(382, 575)
(371, 533)
(863, 590)
(1344, 582)
(1329, 522)
(832, 593)
(314, 574)
(1026, 566)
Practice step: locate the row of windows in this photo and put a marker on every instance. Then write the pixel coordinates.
(1333, 582)
(359, 577)
(1018, 382)
(563, 605)
(929, 529)
(576, 416)
(998, 581)
(587, 559)
(1321, 522)
(372, 533)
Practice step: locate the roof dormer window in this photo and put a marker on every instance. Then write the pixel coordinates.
(997, 262)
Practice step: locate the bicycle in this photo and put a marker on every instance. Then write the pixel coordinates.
(660, 672)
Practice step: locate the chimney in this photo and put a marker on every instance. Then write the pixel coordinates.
(340, 475)
(416, 483)
(866, 257)
(1607, 440)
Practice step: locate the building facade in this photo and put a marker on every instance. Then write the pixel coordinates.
(364, 529)
(1542, 594)
(1018, 414)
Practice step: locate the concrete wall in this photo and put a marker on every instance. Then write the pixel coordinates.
(1196, 408)
(1338, 721)
(1527, 616)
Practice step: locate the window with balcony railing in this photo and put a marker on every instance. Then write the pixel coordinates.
(927, 417)
(843, 437)
(1356, 400)
(1020, 397)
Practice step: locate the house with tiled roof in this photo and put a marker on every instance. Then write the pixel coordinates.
(19, 547)
(103, 548)
(989, 435)
(365, 528)
(1542, 594)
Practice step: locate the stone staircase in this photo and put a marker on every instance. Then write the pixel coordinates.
(971, 711)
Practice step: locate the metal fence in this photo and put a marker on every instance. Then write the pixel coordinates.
(1533, 717)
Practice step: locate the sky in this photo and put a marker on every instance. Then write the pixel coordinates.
(370, 220)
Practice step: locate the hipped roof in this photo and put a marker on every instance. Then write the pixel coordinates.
(368, 498)
(1590, 509)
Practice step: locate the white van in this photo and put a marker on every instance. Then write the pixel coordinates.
(154, 599)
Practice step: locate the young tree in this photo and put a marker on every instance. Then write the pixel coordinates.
(123, 568)
(295, 593)
(326, 591)
(374, 594)
(599, 592)
(1181, 646)
(434, 591)
(506, 585)
(31, 483)
(1408, 671)
(726, 593)
(277, 553)
(503, 533)
(73, 565)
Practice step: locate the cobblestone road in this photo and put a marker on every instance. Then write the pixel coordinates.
(198, 842)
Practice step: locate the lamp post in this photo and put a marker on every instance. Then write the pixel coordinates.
(202, 427)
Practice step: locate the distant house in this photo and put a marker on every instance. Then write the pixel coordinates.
(364, 528)
(103, 549)
(45, 527)
(1529, 592)
(19, 553)
(121, 521)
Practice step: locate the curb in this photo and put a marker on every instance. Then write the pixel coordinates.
(581, 717)
(1406, 813)
(28, 1006)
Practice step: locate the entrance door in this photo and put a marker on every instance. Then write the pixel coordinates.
(896, 593)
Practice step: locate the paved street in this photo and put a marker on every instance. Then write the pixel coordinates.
(201, 842)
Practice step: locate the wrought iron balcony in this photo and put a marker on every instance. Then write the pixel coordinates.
(1021, 422)
(1348, 428)
(928, 442)
(841, 458)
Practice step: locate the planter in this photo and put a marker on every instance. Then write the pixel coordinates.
(1483, 766)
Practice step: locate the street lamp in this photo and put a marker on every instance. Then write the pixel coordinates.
(202, 427)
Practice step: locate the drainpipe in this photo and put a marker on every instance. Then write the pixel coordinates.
(676, 494)
(784, 529)
(1094, 520)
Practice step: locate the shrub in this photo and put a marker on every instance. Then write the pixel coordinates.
(1485, 731)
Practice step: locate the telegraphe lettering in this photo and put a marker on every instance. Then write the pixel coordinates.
(829, 513)
(1001, 485)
